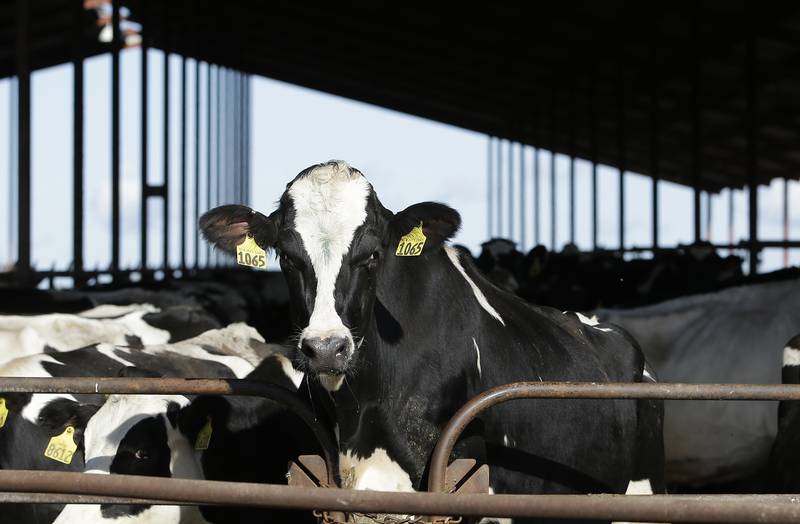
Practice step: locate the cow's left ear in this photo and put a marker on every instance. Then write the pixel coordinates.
(203, 410)
(225, 227)
(439, 223)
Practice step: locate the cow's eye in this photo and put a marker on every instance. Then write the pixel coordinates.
(375, 255)
(142, 454)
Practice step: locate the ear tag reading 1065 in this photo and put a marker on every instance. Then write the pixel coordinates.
(411, 244)
(204, 436)
(62, 447)
(248, 253)
(3, 412)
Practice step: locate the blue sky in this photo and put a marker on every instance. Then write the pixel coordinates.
(407, 159)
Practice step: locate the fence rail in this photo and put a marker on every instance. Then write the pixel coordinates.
(42, 487)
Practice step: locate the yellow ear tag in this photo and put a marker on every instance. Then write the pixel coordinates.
(411, 244)
(3, 412)
(204, 436)
(62, 447)
(249, 254)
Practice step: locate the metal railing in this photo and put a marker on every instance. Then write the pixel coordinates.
(40, 487)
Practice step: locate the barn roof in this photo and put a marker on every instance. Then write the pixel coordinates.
(656, 87)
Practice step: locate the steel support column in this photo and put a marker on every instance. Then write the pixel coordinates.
(23, 66)
(571, 147)
(144, 145)
(511, 190)
(752, 146)
(196, 163)
(621, 140)
(116, 45)
(208, 152)
(522, 244)
(553, 141)
(489, 188)
(696, 123)
(785, 220)
(166, 159)
(499, 187)
(184, 193)
(654, 131)
(537, 239)
(77, 144)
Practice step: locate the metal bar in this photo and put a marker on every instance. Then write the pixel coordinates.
(752, 151)
(499, 187)
(785, 220)
(23, 66)
(511, 190)
(144, 146)
(571, 147)
(181, 386)
(208, 153)
(621, 139)
(248, 149)
(235, 126)
(218, 146)
(730, 216)
(591, 390)
(166, 159)
(708, 216)
(553, 140)
(489, 188)
(184, 193)
(593, 154)
(696, 129)
(654, 129)
(653, 508)
(8, 497)
(535, 196)
(77, 145)
(116, 44)
(522, 243)
(196, 163)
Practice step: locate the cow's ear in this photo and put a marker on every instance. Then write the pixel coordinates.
(225, 227)
(439, 223)
(202, 411)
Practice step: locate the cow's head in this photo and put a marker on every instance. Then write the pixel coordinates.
(332, 236)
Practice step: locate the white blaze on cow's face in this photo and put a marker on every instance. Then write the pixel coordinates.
(329, 205)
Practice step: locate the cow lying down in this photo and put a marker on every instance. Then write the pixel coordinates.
(158, 435)
(135, 324)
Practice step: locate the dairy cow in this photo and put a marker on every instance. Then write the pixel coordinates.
(400, 342)
(784, 468)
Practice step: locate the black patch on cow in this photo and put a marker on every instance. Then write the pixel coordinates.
(136, 372)
(182, 322)
(49, 350)
(389, 328)
(143, 451)
(134, 342)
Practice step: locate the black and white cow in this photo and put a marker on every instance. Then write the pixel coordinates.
(784, 470)
(135, 324)
(252, 439)
(401, 342)
(731, 336)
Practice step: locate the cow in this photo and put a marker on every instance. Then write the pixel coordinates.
(156, 434)
(136, 325)
(401, 342)
(784, 467)
(730, 336)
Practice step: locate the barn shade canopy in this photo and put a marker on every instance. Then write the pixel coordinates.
(699, 93)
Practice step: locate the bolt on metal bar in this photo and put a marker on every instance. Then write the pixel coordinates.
(177, 386)
(591, 390)
(651, 508)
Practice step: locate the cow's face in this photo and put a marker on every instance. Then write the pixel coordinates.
(137, 435)
(332, 236)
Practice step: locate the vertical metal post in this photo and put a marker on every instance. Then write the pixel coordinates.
(730, 218)
(208, 152)
(708, 216)
(218, 144)
(654, 130)
(752, 146)
(247, 146)
(553, 173)
(593, 154)
(785, 221)
(489, 188)
(167, 119)
(696, 131)
(116, 44)
(144, 146)
(77, 144)
(23, 66)
(522, 243)
(499, 187)
(235, 123)
(571, 140)
(184, 193)
(621, 141)
(536, 198)
(511, 190)
(196, 163)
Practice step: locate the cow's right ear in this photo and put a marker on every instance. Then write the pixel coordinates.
(226, 227)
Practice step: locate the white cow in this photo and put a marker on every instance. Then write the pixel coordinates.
(734, 336)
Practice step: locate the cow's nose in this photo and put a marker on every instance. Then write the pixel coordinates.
(325, 352)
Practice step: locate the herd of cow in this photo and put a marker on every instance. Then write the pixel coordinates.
(381, 345)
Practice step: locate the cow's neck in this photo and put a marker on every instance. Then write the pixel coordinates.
(410, 378)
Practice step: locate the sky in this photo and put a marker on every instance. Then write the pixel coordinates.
(407, 160)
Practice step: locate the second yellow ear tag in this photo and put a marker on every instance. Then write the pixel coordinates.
(62, 447)
(204, 436)
(248, 253)
(411, 244)
(3, 412)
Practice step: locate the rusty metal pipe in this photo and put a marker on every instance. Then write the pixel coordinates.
(181, 386)
(590, 390)
(652, 508)
(63, 498)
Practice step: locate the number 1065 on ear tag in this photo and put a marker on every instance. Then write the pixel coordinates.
(248, 253)
(411, 244)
